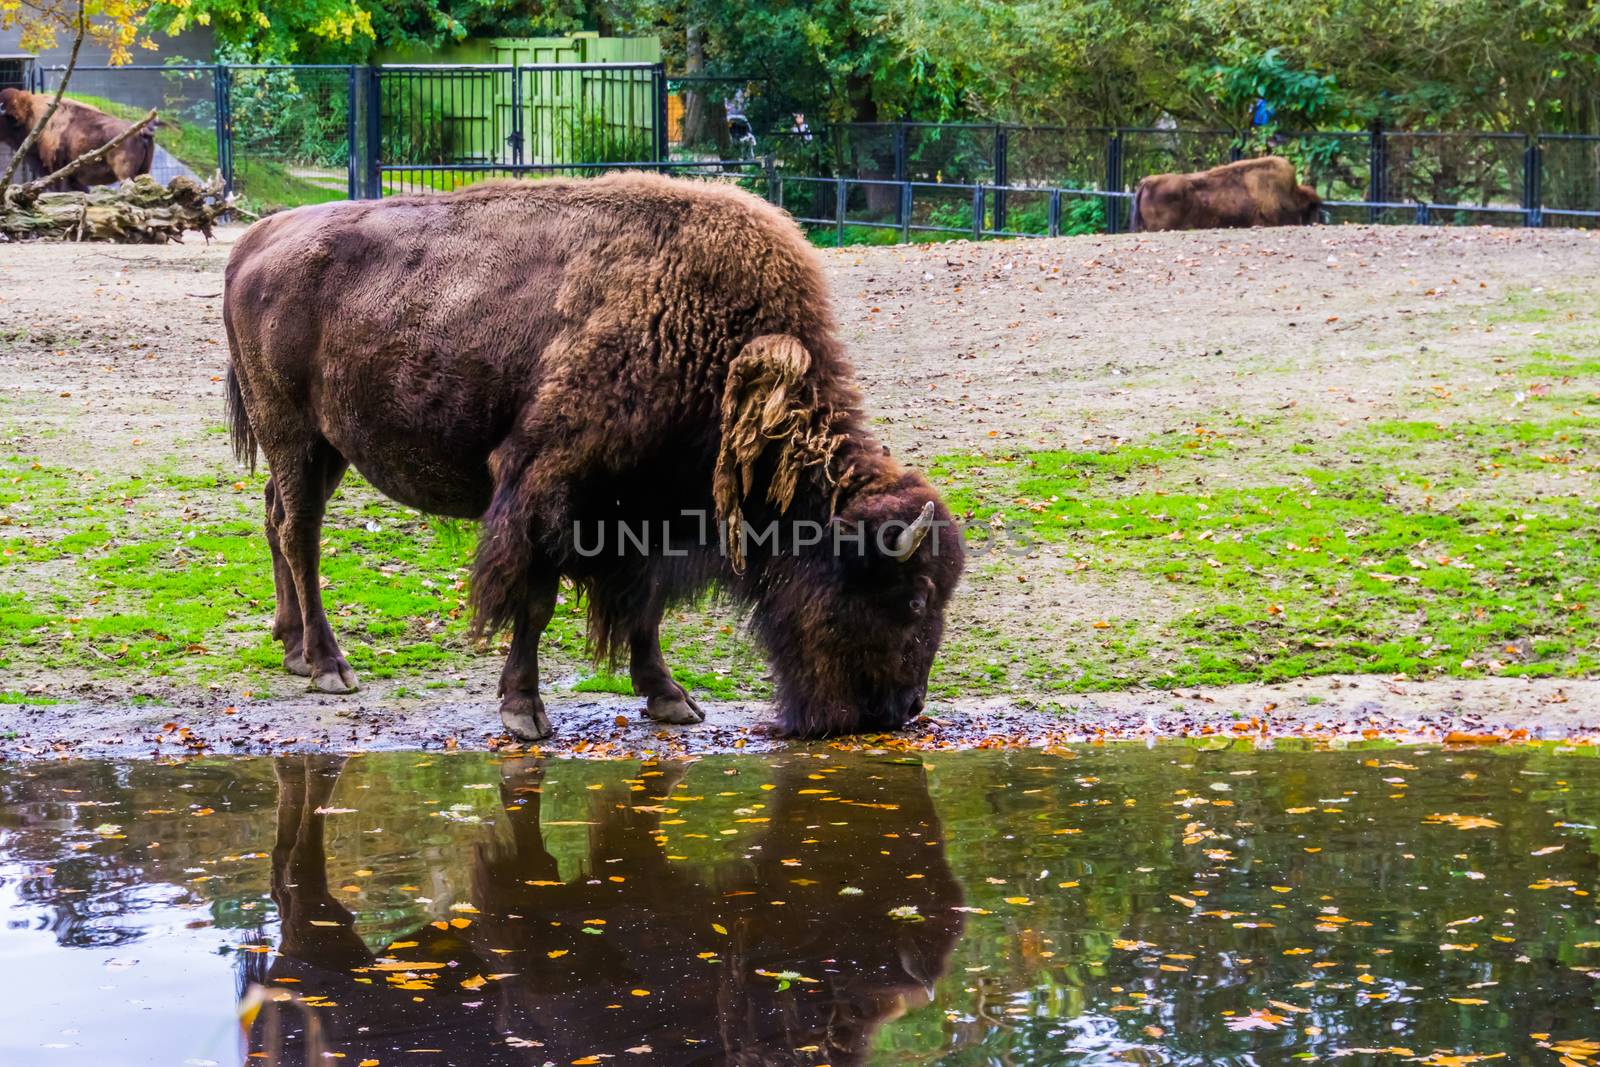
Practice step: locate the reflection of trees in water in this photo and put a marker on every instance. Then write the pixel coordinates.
(1178, 969)
(761, 960)
(96, 894)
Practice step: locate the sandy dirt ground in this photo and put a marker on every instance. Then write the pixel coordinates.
(112, 357)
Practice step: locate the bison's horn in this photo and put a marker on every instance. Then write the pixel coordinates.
(912, 536)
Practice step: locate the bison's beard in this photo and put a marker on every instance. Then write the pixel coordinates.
(838, 673)
(800, 715)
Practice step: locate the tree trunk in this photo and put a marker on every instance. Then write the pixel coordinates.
(704, 120)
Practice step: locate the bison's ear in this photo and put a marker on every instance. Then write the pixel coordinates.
(769, 409)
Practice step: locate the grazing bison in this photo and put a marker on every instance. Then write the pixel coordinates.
(635, 383)
(1251, 192)
(759, 961)
(72, 131)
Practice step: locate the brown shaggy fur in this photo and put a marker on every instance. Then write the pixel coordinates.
(555, 357)
(1251, 192)
(72, 131)
(863, 965)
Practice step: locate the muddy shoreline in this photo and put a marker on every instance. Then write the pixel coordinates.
(1335, 709)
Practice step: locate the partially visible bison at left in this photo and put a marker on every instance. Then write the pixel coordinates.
(72, 131)
(1251, 192)
(634, 383)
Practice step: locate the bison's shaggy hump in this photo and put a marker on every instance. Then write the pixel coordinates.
(544, 355)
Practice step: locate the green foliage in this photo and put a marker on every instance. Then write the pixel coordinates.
(590, 137)
(1243, 74)
(281, 112)
(425, 137)
(305, 31)
(1408, 63)
(1412, 63)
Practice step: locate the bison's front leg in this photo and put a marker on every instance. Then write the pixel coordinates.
(665, 700)
(521, 710)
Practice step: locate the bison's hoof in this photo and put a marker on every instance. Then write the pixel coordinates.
(524, 718)
(294, 662)
(679, 709)
(336, 678)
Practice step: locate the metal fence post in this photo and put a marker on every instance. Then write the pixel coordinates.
(769, 167)
(900, 170)
(1533, 182)
(905, 212)
(977, 212)
(1377, 170)
(838, 210)
(221, 85)
(660, 73)
(374, 146)
(515, 138)
(1055, 213)
(1114, 181)
(352, 168)
(1001, 147)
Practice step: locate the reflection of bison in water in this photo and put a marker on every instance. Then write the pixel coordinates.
(72, 131)
(577, 361)
(791, 956)
(1251, 192)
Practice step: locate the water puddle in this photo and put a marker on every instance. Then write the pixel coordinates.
(1193, 904)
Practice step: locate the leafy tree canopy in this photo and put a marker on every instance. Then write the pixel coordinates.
(1508, 64)
(117, 25)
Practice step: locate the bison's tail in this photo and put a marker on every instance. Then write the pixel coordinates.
(243, 437)
(1135, 222)
(506, 547)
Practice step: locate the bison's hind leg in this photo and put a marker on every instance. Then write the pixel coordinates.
(288, 624)
(297, 496)
(521, 709)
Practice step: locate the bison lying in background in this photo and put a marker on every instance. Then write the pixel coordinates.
(632, 363)
(72, 131)
(1251, 192)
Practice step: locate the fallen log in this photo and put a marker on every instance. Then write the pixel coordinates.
(137, 211)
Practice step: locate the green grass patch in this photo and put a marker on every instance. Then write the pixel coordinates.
(1326, 572)
(119, 578)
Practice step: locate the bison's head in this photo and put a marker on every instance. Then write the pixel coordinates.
(1310, 205)
(852, 625)
(16, 117)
